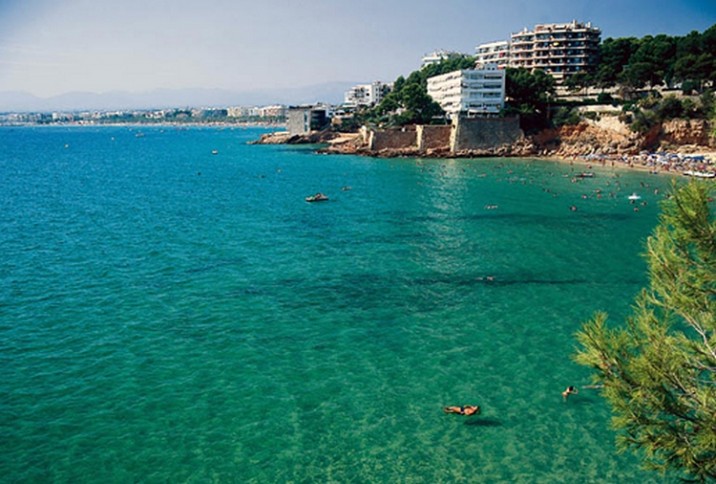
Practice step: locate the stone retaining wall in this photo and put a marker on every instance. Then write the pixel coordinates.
(484, 133)
(433, 137)
(464, 135)
(393, 139)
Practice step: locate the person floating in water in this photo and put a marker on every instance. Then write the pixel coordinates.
(463, 409)
(569, 391)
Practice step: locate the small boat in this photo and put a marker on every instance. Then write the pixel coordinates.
(214, 152)
(318, 197)
(585, 174)
(634, 197)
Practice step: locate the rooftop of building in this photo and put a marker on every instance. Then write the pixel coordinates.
(559, 27)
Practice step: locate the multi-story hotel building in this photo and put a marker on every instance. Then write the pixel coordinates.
(366, 94)
(470, 92)
(493, 53)
(558, 49)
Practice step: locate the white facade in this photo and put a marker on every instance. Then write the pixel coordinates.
(438, 56)
(366, 94)
(275, 111)
(493, 53)
(558, 49)
(469, 92)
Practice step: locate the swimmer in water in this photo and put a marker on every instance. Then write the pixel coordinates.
(569, 391)
(463, 409)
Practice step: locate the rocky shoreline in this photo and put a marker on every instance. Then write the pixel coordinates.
(664, 146)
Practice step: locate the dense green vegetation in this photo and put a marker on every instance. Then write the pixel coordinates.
(658, 372)
(646, 112)
(651, 61)
(529, 95)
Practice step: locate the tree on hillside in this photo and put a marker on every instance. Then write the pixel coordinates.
(697, 68)
(659, 372)
(419, 107)
(660, 52)
(529, 95)
(639, 75)
(578, 81)
(614, 54)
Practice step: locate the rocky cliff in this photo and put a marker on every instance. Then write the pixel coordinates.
(687, 132)
(611, 137)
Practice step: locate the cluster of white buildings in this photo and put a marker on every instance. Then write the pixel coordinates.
(559, 49)
(366, 94)
(273, 111)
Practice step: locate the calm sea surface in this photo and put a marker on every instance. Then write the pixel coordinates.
(169, 315)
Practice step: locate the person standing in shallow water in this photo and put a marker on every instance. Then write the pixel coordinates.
(569, 391)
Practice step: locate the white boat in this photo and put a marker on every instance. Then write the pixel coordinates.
(700, 174)
(634, 197)
(318, 197)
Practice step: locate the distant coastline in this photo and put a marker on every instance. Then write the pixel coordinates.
(273, 115)
(178, 124)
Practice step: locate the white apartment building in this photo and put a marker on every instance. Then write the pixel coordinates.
(470, 92)
(366, 94)
(274, 111)
(497, 52)
(558, 49)
(242, 111)
(438, 56)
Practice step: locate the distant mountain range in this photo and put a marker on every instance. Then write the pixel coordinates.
(18, 101)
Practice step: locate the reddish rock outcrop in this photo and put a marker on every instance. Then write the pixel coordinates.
(286, 138)
(585, 139)
(679, 132)
(592, 138)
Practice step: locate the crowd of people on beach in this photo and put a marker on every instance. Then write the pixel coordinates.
(688, 164)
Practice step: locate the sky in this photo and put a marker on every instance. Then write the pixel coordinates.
(50, 47)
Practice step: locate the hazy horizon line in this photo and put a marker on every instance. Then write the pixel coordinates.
(158, 98)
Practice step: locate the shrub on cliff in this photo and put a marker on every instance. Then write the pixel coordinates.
(669, 108)
(565, 116)
(652, 110)
(642, 121)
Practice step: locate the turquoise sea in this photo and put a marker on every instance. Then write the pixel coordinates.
(170, 315)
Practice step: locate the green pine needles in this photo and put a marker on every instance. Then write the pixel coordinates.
(659, 372)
